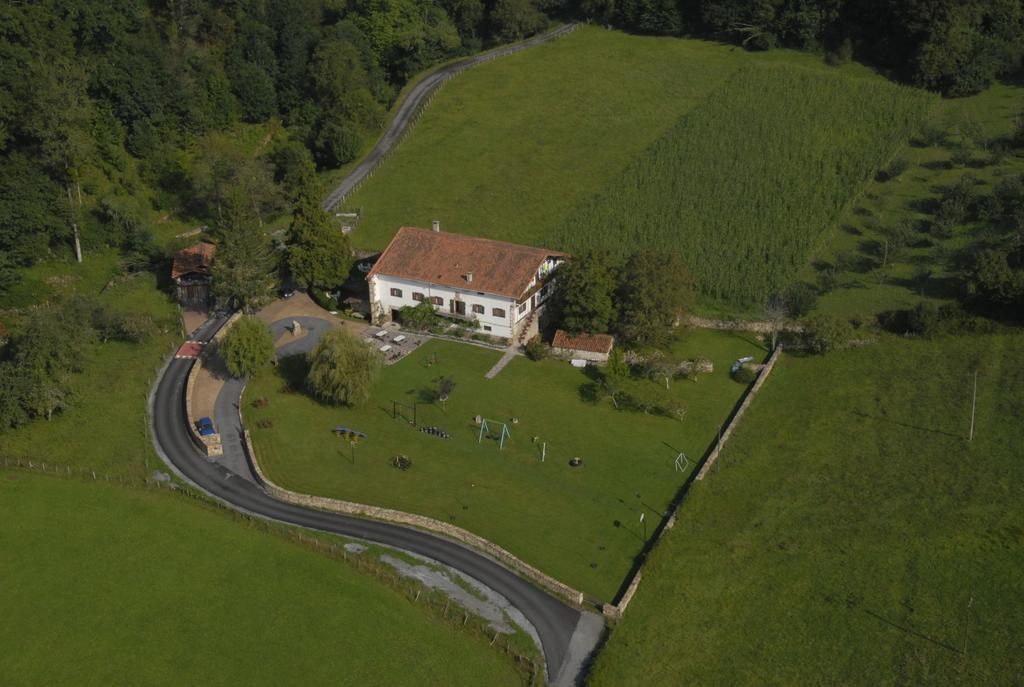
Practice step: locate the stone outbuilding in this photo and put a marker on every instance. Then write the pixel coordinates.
(592, 347)
(190, 272)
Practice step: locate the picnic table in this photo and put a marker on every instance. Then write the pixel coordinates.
(399, 339)
(385, 348)
(381, 334)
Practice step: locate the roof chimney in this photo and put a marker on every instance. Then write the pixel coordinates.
(469, 277)
(436, 225)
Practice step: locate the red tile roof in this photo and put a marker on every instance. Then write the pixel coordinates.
(197, 258)
(591, 343)
(504, 269)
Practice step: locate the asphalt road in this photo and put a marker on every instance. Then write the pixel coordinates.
(555, 622)
(410, 106)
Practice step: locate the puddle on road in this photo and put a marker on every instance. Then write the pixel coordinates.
(485, 602)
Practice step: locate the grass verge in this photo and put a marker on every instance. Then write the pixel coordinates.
(165, 592)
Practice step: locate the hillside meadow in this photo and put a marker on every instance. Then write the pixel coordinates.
(850, 533)
(742, 161)
(507, 149)
(746, 184)
(146, 588)
(865, 277)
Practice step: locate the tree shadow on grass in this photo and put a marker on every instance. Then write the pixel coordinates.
(930, 430)
(911, 631)
(293, 370)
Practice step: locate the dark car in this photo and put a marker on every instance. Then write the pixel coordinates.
(286, 292)
(205, 427)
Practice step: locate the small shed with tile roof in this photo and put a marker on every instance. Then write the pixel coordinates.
(592, 347)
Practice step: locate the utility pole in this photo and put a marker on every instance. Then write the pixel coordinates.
(974, 405)
(967, 625)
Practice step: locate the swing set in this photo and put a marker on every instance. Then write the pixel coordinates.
(500, 436)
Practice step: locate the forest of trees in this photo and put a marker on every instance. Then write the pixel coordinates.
(98, 99)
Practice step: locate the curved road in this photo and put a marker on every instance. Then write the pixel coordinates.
(416, 97)
(555, 622)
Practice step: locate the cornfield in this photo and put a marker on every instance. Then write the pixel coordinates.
(745, 185)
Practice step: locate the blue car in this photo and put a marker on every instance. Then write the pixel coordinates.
(205, 427)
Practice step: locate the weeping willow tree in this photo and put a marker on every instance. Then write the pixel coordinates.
(343, 369)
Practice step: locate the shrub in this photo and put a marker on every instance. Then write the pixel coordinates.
(247, 347)
(111, 325)
(744, 374)
(961, 156)
(1017, 139)
(799, 299)
(828, 279)
(841, 55)
(421, 318)
(824, 332)
(537, 349)
(894, 169)
(931, 135)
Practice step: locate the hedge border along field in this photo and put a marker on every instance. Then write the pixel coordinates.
(746, 184)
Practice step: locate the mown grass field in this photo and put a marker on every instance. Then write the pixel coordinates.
(580, 525)
(105, 426)
(508, 148)
(852, 534)
(105, 585)
(921, 271)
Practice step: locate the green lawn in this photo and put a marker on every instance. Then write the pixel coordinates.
(852, 535)
(920, 272)
(579, 525)
(109, 395)
(105, 585)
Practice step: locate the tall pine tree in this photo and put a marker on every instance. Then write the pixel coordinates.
(244, 269)
(319, 255)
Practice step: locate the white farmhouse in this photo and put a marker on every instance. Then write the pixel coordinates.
(497, 284)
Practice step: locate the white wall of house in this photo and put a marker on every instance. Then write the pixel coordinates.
(383, 301)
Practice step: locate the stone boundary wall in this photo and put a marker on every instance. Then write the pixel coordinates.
(615, 611)
(211, 445)
(740, 325)
(713, 456)
(477, 543)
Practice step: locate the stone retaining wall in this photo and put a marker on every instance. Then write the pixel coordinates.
(564, 591)
(713, 456)
(209, 445)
